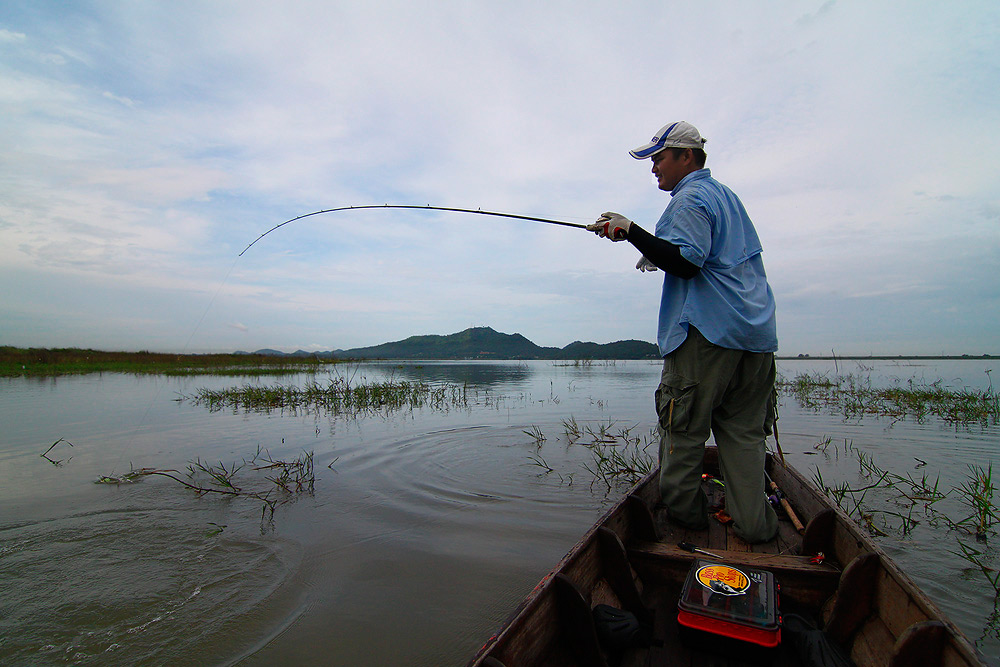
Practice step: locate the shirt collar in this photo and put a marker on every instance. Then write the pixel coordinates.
(698, 175)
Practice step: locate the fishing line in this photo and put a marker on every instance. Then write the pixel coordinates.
(187, 345)
(477, 211)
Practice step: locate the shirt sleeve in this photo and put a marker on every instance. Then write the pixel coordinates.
(691, 231)
(665, 255)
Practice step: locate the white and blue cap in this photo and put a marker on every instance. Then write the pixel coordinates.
(672, 135)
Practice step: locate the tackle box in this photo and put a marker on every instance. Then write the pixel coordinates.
(730, 609)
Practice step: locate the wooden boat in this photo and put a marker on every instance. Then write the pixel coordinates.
(857, 599)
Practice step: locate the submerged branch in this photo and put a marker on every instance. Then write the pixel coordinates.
(293, 477)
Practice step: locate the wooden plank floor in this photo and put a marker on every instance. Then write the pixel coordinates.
(722, 537)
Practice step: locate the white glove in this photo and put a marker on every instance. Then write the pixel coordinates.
(611, 226)
(645, 265)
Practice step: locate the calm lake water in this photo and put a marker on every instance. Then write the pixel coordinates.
(424, 528)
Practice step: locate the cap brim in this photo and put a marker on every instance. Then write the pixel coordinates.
(643, 152)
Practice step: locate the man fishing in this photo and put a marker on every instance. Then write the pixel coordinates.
(716, 334)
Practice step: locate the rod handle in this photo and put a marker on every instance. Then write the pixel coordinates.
(788, 508)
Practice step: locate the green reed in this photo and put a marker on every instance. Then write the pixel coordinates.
(910, 494)
(338, 397)
(617, 455)
(907, 492)
(621, 457)
(978, 557)
(536, 435)
(977, 494)
(855, 397)
(279, 480)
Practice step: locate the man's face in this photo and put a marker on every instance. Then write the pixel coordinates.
(669, 170)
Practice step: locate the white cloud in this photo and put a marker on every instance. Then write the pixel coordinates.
(7, 36)
(118, 98)
(159, 143)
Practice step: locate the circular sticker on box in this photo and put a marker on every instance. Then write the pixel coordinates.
(723, 579)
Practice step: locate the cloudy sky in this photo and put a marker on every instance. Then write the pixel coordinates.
(143, 145)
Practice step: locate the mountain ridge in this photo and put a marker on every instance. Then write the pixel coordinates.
(484, 343)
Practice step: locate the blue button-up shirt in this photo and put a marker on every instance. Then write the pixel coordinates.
(729, 301)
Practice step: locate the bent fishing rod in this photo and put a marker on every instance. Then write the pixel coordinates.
(477, 211)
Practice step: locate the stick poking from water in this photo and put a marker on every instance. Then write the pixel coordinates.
(45, 456)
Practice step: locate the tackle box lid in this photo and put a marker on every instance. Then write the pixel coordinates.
(733, 594)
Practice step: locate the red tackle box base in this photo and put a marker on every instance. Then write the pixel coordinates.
(730, 610)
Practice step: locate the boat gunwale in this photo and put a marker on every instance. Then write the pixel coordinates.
(520, 614)
(816, 501)
(866, 543)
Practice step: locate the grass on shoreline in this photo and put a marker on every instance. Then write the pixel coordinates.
(43, 362)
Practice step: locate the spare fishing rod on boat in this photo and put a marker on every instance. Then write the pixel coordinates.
(779, 494)
(477, 211)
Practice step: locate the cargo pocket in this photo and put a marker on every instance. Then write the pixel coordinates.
(674, 398)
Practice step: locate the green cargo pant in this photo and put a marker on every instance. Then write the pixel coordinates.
(706, 388)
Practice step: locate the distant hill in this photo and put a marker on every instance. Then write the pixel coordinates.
(486, 343)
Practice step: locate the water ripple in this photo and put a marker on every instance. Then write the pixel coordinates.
(152, 578)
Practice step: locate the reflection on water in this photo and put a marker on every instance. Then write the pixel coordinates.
(477, 374)
(424, 529)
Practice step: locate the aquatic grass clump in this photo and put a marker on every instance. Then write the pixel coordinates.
(908, 492)
(619, 456)
(338, 397)
(571, 428)
(976, 493)
(855, 397)
(220, 475)
(286, 478)
(852, 501)
(923, 494)
(621, 463)
(536, 435)
(292, 476)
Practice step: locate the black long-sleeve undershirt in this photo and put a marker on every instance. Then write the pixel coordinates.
(664, 254)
